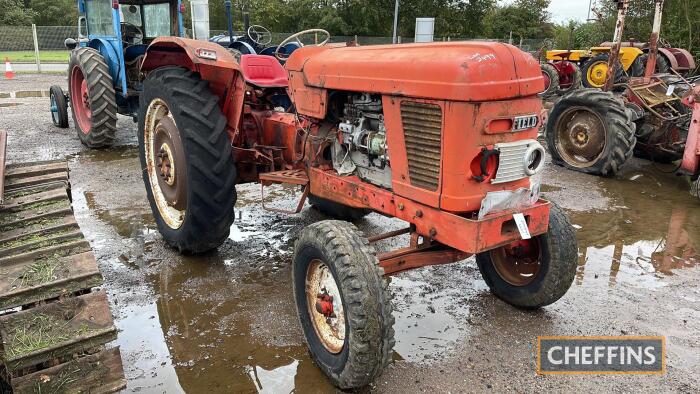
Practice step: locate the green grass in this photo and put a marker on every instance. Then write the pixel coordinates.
(28, 56)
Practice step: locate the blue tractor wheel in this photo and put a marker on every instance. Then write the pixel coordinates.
(59, 107)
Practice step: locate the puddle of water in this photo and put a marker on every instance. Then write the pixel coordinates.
(652, 229)
(149, 363)
(107, 155)
(427, 324)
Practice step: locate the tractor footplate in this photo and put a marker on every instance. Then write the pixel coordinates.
(291, 177)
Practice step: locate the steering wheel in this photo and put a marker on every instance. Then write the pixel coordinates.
(259, 35)
(295, 37)
(138, 33)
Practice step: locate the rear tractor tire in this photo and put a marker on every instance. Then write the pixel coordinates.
(185, 153)
(59, 107)
(93, 101)
(551, 80)
(343, 303)
(338, 210)
(536, 272)
(590, 131)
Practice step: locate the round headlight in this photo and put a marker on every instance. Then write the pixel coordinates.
(533, 160)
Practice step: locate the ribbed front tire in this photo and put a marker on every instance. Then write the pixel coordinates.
(366, 346)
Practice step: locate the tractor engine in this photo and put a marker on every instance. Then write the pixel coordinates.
(361, 147)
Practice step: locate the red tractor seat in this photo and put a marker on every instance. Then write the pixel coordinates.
(263, 71)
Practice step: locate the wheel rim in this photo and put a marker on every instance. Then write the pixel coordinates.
(325, 306)
(580, 136)
(518, 263)
(80, 98)
(54, 109)
(165, 163)
(596, 73)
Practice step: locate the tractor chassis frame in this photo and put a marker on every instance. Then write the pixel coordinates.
(436, 236)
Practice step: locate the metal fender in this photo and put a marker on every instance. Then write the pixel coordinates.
(672, 61)
(211, 61)
(109, 54)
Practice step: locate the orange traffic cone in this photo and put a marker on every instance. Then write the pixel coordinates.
(8, 69)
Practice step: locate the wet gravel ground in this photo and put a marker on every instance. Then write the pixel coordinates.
(226, 322)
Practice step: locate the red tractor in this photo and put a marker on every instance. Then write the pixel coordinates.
(408, 131)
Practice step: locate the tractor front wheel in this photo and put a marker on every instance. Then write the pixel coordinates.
(186, 158)
(93, 101)
(590, 131)
(59, 107)
(535, 272)
(343, 303)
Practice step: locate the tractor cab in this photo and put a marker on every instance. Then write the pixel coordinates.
(121, 32)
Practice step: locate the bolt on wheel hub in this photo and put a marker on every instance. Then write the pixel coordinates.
(325, 306)
(165, 163)
(581, 136)
(518, 263)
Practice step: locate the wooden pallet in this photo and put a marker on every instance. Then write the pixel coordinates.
(53, 325)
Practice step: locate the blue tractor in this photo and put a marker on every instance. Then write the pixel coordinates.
(104, 70)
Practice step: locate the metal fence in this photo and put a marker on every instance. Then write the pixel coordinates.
(44, 44)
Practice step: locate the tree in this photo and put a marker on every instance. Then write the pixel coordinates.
(13, 13)
(525, 18)
(55, 12)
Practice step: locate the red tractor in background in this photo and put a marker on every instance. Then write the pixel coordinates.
(561, 75)
(410, 131)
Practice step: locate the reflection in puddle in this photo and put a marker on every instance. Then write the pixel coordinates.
(148, 365)
(277, 380)
(642, 237)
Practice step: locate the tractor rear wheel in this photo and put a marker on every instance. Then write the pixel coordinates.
(535, 272)
(590, 131)
(595, 71)
(186, 158)
(93, 101)
(59, 107)
(551, 80)
(662, 64)
(337, 210)
(343, 303)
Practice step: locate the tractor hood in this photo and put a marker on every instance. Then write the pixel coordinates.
(459, 71)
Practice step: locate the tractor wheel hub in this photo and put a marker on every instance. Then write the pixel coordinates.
(325, 306)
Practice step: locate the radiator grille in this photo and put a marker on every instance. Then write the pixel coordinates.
(422, 128)
(511, 160)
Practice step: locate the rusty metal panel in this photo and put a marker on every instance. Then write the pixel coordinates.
(55, 330)
(98, 373)
(422, 127)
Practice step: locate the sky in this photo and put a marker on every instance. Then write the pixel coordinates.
(565, 10)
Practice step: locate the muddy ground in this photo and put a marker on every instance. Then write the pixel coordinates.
(226, 322)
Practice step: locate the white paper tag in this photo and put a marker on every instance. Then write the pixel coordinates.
(522, 225)
(670, 90)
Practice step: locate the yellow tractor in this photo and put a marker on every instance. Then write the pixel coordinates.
(594, 63)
